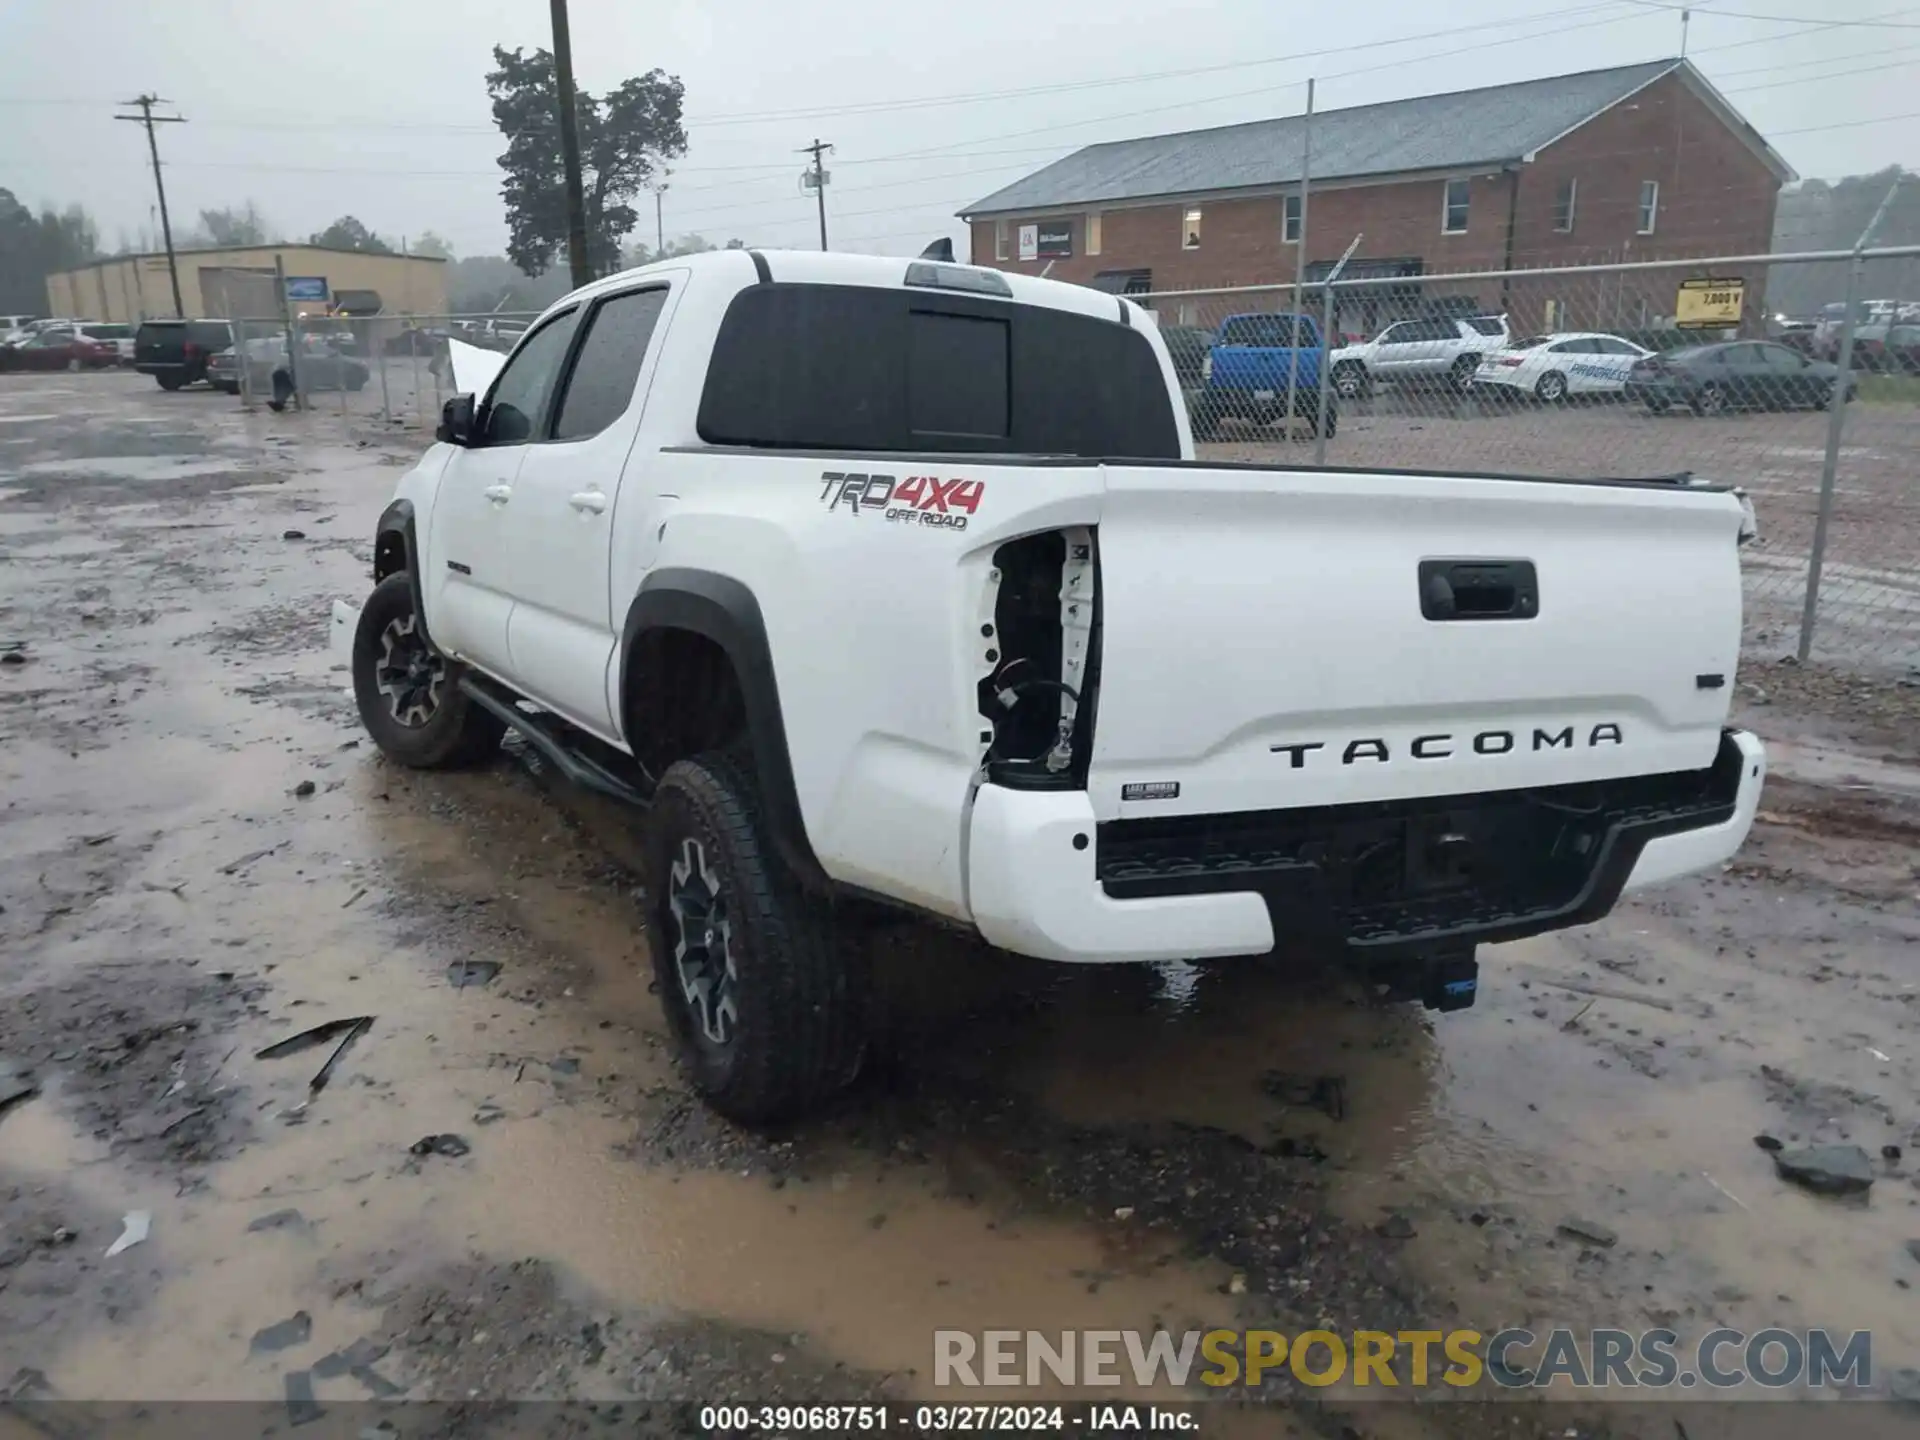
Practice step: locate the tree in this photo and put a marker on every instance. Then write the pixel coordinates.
(433, 246)
(228, 228)
(34, 247)
(625, 136)
(347, 233)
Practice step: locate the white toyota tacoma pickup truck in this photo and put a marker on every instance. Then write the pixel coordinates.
(876, 580)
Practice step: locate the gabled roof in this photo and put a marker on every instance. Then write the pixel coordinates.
(1496, 125)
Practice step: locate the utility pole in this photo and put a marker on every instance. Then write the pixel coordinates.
(147, 118)
(659, 188)
(817, 179)
(1685, 16)
(577, 260)
(1300, 272)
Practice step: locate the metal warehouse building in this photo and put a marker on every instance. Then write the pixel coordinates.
(239, 282)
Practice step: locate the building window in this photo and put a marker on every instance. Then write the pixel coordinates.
(1093, 232)
(1290, 220)
(1563, 205)
(1649, 205)
(1190, 231)
(1453, 212)
(999, 239)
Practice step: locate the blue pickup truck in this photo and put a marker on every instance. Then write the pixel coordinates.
(1244, 377)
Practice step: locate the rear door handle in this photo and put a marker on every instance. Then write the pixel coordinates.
(499, 494)
(588, 500)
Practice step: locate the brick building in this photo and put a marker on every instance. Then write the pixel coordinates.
(1638, 162)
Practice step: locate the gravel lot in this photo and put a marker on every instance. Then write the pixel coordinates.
(1033, 1148)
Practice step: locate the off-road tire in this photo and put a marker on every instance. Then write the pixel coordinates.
(455, 732)
(796, 1035)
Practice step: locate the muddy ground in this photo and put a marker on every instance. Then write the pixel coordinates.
(1034, 1147)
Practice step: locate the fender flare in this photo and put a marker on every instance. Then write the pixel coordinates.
(726, 612)
(397, 519)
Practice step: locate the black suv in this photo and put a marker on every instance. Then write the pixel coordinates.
(175, 352)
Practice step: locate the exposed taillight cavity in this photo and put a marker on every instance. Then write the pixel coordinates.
(1510, 362)
(1039, 659)
(190, 350)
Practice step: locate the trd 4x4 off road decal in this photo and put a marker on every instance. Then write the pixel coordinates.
(916, 500)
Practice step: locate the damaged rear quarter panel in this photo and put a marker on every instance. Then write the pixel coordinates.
(873, 621)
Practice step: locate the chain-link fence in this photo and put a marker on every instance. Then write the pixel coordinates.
(1646, 369)
(1649, 369)
(390, 367)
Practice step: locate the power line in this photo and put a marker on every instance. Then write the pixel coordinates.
(1770, 19)
(1816, 79)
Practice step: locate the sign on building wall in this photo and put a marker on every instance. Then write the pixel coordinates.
(307, 287)
(1029, 242)
(1055, 241)
(1709, 304)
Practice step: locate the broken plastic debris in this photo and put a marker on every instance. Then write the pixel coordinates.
(296, 1329)
(452, 1146)
(136, 1224)
(349, 1030)
(472, 972)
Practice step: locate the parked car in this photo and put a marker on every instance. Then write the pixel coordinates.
(1437, 350)
(1554, 367)
(321, 367)
(1313, 715)
(10, 325)
(1735, 375)
(1899, 350)
(26, 331)
(175, 352)
(1245, 376)
(60, 348)
(118, 336)
(1187, 347)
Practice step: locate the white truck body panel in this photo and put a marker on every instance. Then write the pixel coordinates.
(1257, 624)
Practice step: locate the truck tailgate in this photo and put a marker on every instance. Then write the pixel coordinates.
(1276, 638)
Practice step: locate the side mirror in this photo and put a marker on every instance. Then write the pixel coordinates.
(456, 421)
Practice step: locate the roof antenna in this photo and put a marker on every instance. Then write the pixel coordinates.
(941, 249)
(1685, 16)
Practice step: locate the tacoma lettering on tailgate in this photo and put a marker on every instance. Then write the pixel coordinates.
(1440, 747)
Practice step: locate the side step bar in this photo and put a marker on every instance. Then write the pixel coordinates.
(555, 740)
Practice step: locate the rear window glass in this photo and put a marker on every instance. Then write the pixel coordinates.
(1529, 343)
(110, 332)
(842, 367)
(1486, 324)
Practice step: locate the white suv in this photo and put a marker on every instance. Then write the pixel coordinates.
(1442, 349)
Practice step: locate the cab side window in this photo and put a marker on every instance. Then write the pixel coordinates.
(606, 367)
(521, 389)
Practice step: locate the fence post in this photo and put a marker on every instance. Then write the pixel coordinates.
(386, 401)
(243, 359)
(1326, 373)
(1836, 427)
(1830, 466)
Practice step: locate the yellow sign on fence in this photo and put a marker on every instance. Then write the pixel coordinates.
(1709, 304)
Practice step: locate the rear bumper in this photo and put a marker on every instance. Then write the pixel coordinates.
(1046, 880)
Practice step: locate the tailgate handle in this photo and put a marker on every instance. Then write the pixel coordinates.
(1479, 590)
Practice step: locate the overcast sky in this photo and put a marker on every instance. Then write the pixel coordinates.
(378, 108)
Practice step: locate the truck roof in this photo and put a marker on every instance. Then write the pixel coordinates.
(816, 267)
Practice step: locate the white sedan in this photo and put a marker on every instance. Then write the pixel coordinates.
(1552, 367)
